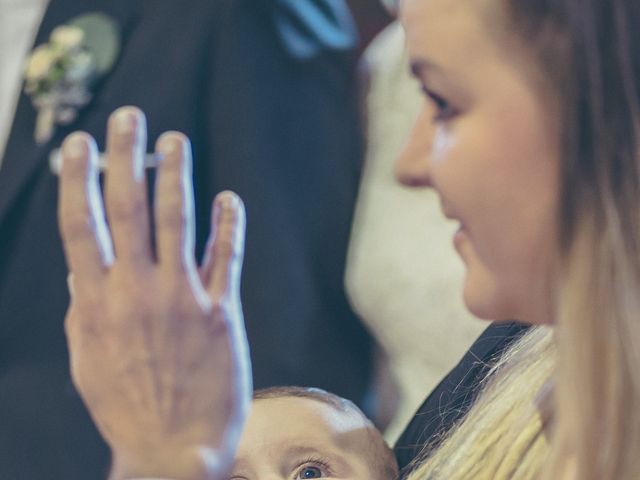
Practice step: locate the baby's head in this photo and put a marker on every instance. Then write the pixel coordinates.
(294, 433)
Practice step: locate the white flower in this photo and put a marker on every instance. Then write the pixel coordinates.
(40, 62)
(67, 37)
(60, 73)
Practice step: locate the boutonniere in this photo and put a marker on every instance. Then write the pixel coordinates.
(60, 74)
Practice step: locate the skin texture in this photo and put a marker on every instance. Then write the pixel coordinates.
(294, 438)
(158, 350)
(486, 142)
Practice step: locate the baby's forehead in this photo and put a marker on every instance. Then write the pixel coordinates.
(314, 410)
(307, 404)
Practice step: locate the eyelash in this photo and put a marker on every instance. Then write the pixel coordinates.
(444, 109)
(317, 462)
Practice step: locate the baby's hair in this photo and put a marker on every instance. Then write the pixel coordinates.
(383, 461)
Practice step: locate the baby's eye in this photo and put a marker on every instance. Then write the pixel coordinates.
(309, 472)
(314, 467)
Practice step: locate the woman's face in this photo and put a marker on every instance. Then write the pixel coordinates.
(487, 142)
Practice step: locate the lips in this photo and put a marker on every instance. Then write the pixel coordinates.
(459, 237)
(445, 209)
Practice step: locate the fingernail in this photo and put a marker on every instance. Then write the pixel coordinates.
(168, 145)
(75, 146)
(125, 121)
(228, 200)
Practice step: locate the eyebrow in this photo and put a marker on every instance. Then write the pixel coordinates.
(296, 451)
(306, 450)
(419, 66)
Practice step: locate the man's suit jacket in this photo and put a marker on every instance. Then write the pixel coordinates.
(264, 90)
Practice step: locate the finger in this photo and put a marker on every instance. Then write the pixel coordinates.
(125, 190)
(84, 231)
(68, 321)
(174, 212)
(71, 285)
(225, 249)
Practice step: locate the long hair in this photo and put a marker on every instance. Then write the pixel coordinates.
(598, 391)
(502, 436)
(589, 51)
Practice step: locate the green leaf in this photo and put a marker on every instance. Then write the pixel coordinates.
(102, 39)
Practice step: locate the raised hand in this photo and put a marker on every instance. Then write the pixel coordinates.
(157, 344)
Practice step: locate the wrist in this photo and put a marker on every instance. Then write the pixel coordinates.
(186, 464)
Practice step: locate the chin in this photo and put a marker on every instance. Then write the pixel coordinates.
(482, 299)
(488, 303)
(480, 310)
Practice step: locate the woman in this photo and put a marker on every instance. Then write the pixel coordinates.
(533, 149)
(529, 136)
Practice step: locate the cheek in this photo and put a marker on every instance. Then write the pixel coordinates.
(511, 180)
(472, 172)
(501, 180)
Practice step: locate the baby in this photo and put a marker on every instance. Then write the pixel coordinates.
(294, 433)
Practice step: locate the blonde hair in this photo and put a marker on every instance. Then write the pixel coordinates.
(502, 436)
(598, 392)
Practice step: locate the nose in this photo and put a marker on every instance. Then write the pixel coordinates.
(412, 167)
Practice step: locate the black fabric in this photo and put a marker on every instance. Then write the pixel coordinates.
(280, 130)
(451, 399)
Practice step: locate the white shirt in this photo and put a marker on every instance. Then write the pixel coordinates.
(19, 23)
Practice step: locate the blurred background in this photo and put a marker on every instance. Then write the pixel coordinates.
(371, 17)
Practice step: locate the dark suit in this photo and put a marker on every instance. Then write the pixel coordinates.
(454, 395)
(264, 90)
